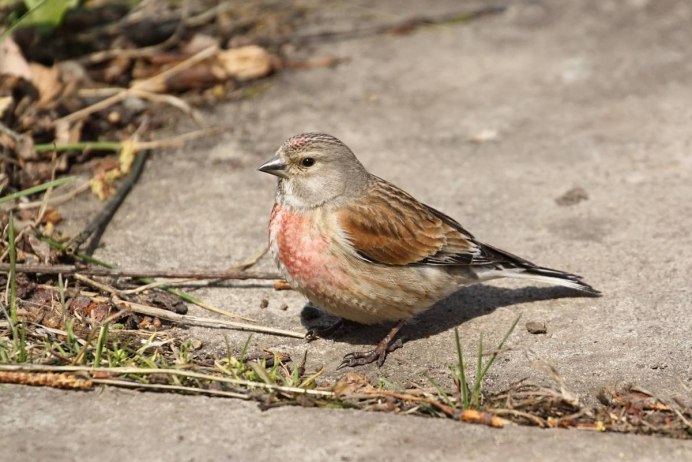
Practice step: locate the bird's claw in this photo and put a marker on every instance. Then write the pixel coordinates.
(379, 354)
(311, 335)
(315, 333)
(359, 358)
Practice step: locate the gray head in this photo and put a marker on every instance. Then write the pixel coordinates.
(314, 168)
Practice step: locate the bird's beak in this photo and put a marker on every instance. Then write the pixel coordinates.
(274, 166)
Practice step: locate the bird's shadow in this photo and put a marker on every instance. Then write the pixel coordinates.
(463, 305)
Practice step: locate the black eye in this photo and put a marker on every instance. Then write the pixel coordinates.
(308, 162)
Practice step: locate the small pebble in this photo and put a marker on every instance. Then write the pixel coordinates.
(264, 303)
(283, 307)
(572, 197)
(536, 327)
(196, 343)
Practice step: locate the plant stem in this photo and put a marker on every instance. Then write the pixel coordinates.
(13, 272)
(37, 189)
(94, 145)
(462, 372)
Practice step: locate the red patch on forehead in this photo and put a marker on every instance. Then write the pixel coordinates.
(297, 142)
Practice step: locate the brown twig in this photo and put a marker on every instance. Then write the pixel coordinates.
(97, 226)
(170, 41)
(155, 285)
(203, 322)
(155, 81)
(281, 285)
(100, 286)
(121, 94)
(173, 274)
(115, 95)
(530, 417)
(466, 415)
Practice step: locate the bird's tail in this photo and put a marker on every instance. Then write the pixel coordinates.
(508, 265)
(551, 276)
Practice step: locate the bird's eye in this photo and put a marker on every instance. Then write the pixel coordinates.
(308, 162)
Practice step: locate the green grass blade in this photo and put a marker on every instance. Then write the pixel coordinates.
(13, 271)
(100, 343)
(502, 343)
(476, 395)
(61, 292)
(462, 372)
(18, 330)
(243, 353)
(37, 189)
(21, 19)
(93, 145)
(87, 258)
(443, 396)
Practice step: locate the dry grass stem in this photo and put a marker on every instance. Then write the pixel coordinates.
(174, 274)
(176, 372)
(57, 199)
(250, 262)
(198, 321)
(163, 387)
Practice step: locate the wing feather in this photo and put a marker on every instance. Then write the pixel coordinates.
(391, 227)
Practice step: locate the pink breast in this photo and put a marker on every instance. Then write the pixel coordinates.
(301, 247)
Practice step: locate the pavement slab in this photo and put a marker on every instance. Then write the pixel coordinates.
(491, 121)
(115, 425)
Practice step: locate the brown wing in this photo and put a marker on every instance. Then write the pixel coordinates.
(390, 227)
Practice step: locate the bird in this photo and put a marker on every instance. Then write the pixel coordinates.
(364, 250)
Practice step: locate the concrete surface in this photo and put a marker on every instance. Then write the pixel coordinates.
(592, 94)
(117, 425)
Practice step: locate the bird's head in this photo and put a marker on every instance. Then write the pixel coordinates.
(313, 169)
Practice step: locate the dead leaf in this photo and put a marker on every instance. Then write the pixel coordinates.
(25, 148)
(245, 63)
(47, 82)
(40, 248)
(68, 132)
(5, 102)
(117, 69)
(351, 383)
(52, 216)
(201, 76)
(198, 43)
(79, 304)
(12, 61)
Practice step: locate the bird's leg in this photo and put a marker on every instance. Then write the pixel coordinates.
(379, 354)
(315, 333)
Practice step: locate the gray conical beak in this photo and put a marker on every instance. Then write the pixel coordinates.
(274, 166)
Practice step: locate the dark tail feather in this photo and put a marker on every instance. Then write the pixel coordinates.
(551, 276)
(509, 265)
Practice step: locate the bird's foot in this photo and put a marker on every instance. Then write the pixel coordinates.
(315, 333)
(379, 354)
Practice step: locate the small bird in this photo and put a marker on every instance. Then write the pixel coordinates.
(362, 249)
